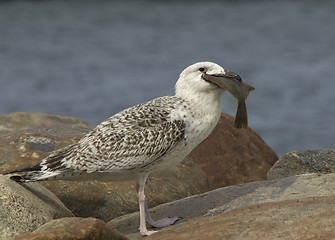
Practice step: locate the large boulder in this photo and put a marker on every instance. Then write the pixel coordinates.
(26, 138)
(25, 207)
(231, 156)
(303, 162)
(73, 229)
(307, 218)
(227, 201)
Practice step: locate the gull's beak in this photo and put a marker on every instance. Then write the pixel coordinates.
(227, 75)
(240, 90)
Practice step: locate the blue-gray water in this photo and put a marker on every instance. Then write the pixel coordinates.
(91, 59)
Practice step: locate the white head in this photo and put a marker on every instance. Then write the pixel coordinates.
(204, 77)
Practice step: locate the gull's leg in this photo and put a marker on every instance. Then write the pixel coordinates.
(141, 201)
(164, 222)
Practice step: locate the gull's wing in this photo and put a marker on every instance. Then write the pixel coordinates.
(131, 139)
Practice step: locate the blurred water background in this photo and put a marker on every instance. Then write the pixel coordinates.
(91, 59)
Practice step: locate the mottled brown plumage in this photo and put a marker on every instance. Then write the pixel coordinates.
(130, 140)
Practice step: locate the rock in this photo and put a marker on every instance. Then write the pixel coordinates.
(231, 156)
(224, 200)
(26, 138)
(307, 218)
(25, 207)
(302, 162)
(107, 200)
(73, 229)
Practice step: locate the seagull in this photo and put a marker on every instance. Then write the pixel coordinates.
(149, 137)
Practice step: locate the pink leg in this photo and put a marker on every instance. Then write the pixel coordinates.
(144, 211)
(141, 201)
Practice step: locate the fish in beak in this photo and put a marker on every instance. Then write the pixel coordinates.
(240, 90)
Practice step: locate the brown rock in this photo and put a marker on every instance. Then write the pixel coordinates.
(73, 229)
(229, 198)
(26, 138)
(308, 218)
(231, 156)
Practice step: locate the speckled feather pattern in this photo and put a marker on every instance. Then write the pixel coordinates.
(131, 140)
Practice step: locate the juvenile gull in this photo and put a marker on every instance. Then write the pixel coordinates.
(148, 137)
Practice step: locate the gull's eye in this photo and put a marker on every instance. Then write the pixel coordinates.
(201, 69)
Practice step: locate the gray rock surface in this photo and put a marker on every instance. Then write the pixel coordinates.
(302, 162)
(226, 199)
(25, 207)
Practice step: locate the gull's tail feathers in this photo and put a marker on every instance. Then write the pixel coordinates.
(49, 168)
(35, 176)
(23, 178)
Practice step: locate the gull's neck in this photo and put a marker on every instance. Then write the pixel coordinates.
(204, 102)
